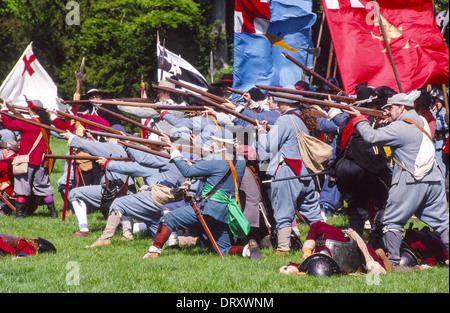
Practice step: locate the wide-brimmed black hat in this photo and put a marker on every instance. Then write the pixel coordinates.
(227, 79)
(91, 91)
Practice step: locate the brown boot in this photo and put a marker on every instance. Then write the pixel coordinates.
(387, 264)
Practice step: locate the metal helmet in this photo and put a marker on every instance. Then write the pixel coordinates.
(331, 80)
(46, 246)
(318, 265)
(434, 92)
(408, 258)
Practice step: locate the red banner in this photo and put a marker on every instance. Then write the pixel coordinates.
(418, 50)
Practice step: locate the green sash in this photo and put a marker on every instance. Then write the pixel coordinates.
(237, 222)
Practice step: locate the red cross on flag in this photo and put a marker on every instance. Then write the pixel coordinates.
(29, 79)
(252, 16)
(418, 50)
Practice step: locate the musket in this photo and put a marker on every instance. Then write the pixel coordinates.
(222, 108)
(171, 90)
(9, 204)
(154, 142)
(150, 106)
(51, 128)
(239, 92)
(294, 177)
(309, 94)
(131, 121)
(86, 157)
(144, 149)
(141, 100)
(367, 111)
(198, 91)
(12, 109)
(310, 72)
(87, 122)
(190, 199)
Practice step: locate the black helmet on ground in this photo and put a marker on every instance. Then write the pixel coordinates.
(45, 246)
(318, 265)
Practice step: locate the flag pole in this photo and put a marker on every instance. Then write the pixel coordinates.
(386, 43)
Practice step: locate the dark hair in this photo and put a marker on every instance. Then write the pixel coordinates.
(309, 118)
(43, 116)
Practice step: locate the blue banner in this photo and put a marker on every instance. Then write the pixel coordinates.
(261, 37)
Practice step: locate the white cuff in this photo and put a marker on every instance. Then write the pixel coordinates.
(239, 108)
(333, 112)
(69, 141)
(175, 154)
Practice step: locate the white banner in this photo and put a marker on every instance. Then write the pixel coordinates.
(29, 80)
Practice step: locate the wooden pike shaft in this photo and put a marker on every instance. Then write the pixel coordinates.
(85, 157)
(309, 94)
(305, 68)
(370, 112)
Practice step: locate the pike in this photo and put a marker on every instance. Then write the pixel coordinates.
(312, 73)
(86, 157)
(80, 77)
(211, 70)
(367, 111)
(309, 94)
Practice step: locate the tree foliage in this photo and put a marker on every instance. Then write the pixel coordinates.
(117, 38)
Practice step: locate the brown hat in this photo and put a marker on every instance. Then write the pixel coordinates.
(10, 144)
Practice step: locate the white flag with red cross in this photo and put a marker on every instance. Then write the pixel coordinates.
(29, 80)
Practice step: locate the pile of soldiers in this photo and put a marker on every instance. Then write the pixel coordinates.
(233, 176)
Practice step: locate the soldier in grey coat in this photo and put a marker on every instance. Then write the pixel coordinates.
(417, 182)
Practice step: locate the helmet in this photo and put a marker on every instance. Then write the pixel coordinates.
(46, 246)
(434, 92)
(408, 258)
(331, 80)
(318, 265)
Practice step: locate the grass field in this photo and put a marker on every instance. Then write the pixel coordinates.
(120, 268)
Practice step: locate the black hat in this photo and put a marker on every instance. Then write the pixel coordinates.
(215, 90)
(256, 94)
(301, 85)
(365, 93)
(91, 91)
(424, 100)
(227, 79)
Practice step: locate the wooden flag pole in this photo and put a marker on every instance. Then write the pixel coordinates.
(388, 48)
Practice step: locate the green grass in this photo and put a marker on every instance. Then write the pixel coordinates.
(120, 268)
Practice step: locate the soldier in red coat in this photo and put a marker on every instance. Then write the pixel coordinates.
(35, 142)
(9, 149)
(24, 247)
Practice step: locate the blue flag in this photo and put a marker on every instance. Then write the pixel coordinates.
(263, 30)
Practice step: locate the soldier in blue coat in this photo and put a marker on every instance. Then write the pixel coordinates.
(215, 213)
(417, 182)
(86, 197)
(286, 161)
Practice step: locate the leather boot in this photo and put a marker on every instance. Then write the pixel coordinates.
(20, 210)
(284, 239)
(52, 210)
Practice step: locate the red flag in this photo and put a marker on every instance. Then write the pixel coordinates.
(418, 50)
